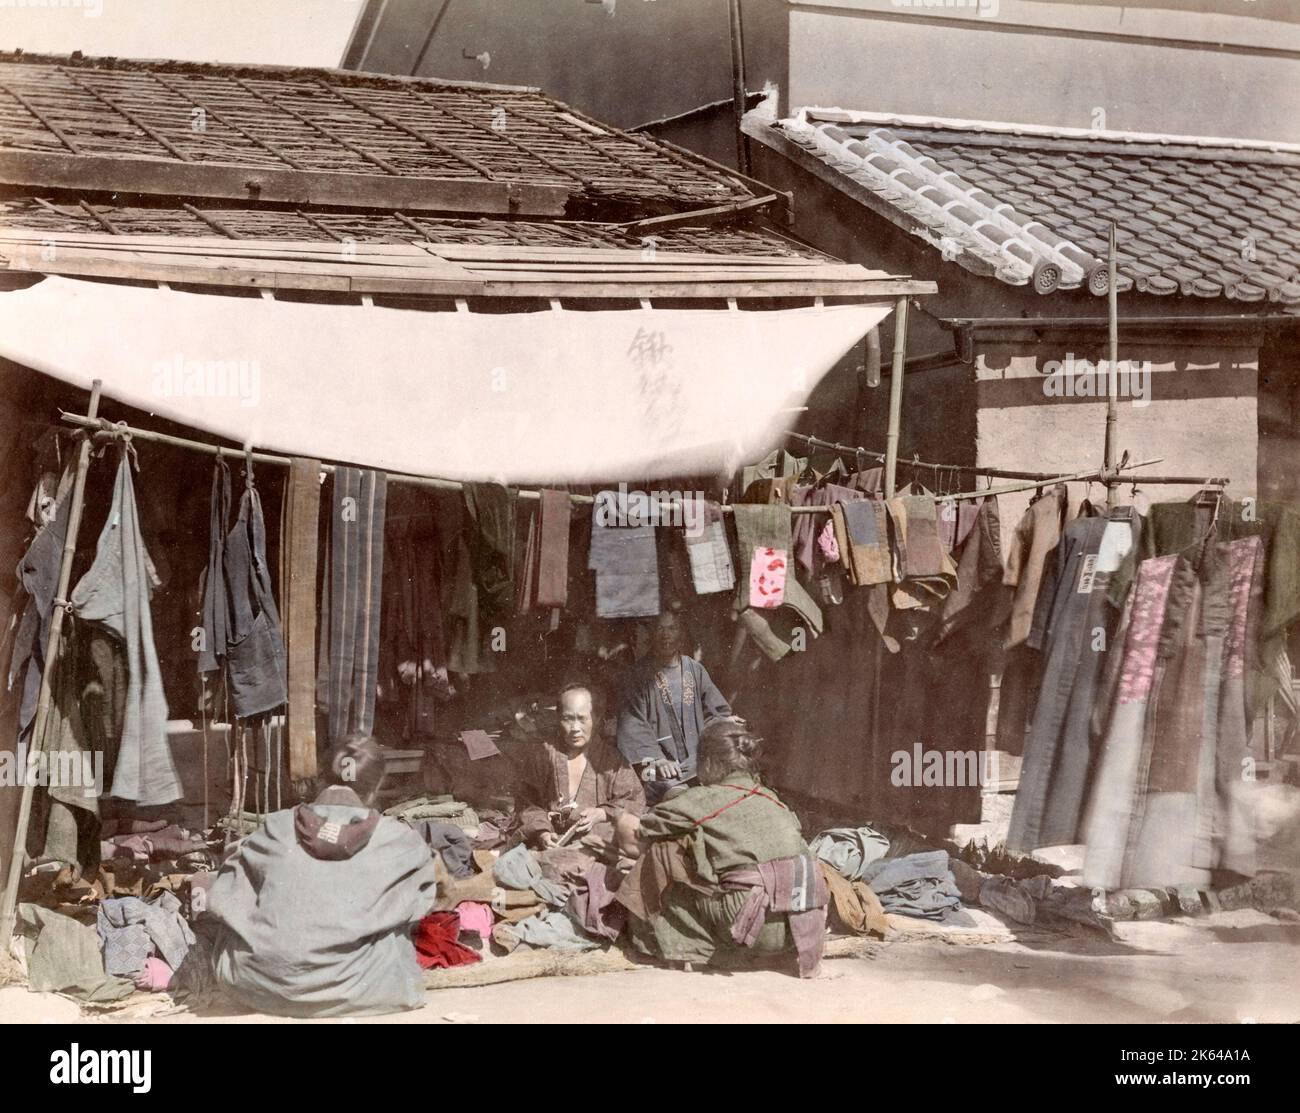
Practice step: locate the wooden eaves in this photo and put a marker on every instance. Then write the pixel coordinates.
(428, 269)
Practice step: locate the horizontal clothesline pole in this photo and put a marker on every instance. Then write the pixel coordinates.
(121, 429)
(992, 473)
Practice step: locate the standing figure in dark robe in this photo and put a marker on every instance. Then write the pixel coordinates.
(668, 700)
(722, 872)
(577, 782)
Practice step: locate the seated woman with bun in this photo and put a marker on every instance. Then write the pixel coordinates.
(722, 871)
(314, 911)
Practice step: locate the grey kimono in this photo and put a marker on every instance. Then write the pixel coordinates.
(315, 912)
(663, 714)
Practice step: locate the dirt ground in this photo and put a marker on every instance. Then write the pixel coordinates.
(1231, 967)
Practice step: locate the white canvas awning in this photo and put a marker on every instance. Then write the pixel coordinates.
(556, 395)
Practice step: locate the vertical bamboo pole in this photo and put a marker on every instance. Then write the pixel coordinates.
(1112, 377)
(896, 396)
(890, 483)
(738, 84)
(9, 904)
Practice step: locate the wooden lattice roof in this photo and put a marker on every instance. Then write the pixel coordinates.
(324, 226)
(316, 136)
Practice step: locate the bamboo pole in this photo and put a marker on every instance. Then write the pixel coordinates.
(9, 903)
(738, 84)
(896, 396)
(1112, 377)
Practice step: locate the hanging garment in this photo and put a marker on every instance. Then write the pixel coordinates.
(806, 527)
(114, 593)
(759, 528)
(65, 817)
(923, 570)
(625, 560)
(710, 554)
(491, 511)
(354, 584)
(413, 653)
(553, 549)
(1169, 805)
(1035, 537)
(778, 465)
(862, 540)
(1072, 627)
(767, 575)
(255, 658)
(241, 625)
(468, 638)
(1172, 527)
(64, 825)
(980, 596)
(38, 575)
(918, 552)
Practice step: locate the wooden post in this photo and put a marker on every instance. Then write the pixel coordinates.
(299, 530)
(1112, 377)
(9, 904)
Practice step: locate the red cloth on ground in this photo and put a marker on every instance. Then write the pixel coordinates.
(435, 942)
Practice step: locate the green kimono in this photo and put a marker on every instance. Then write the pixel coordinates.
(715, 828)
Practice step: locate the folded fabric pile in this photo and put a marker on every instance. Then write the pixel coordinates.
(62, 955)
(436, 942)
(442, 808)
(518, 869)
(916, 885)
(449, 842)
(132, 933)
(148, 841)
(1036, 900)
(849, 850)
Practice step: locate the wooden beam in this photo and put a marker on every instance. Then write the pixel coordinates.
(698, 216)
(163, 177)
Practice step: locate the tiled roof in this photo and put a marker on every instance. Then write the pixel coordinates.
(1209, 218)
(738, 238)
(203, 119)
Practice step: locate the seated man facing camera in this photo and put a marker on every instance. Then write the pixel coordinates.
(314, 910)
(722, 869)
(577, 782)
